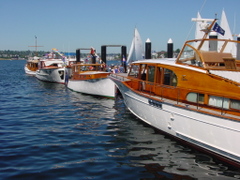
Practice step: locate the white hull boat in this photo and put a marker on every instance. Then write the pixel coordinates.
(183, 98)
(31, 66)
(90, 78)
(193, 127)
(53, 69)
(86, 80)
(99, 86)
(56, 75)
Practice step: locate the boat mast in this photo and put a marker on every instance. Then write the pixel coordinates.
(36, 52)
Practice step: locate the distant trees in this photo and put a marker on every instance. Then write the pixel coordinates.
(12, 54)
(9, 54)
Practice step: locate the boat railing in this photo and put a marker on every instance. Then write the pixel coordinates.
(76, 68)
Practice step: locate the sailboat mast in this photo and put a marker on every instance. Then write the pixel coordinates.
(36, 51)
(36, 45)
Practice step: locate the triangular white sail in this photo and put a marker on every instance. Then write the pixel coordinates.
(231, 48)
(198, 33)
(136, 49)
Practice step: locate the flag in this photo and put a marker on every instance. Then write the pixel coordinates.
(218, 29)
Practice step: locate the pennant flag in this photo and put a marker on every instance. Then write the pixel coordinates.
(218, 29)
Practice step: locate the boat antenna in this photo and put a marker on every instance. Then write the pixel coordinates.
(195, 22)
(36, 46)
(202, 6)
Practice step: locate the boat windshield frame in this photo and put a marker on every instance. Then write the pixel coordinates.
(208, 59)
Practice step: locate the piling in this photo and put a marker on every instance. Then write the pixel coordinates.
(170, 48)
(78, 55)
(148, 50)
(104, 54)
(123, 57)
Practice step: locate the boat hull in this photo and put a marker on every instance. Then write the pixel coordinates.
(28, 71)
(56, 75)
(214, 134)
(100, 87)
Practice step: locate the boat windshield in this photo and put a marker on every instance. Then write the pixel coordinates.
(134, 70)
(190, 56)
(210, 53)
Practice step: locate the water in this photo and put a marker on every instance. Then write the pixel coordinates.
(50, 132)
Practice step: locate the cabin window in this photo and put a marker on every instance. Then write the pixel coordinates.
(219, 102)
(170, 78)
(189, 56)
(134, 71)
(195, 97)
(151, 73)
(235, 104)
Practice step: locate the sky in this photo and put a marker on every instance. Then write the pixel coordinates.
(71, 24)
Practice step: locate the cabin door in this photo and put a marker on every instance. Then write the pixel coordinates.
(150, 78)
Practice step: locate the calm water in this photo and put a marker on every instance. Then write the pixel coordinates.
(50, 132)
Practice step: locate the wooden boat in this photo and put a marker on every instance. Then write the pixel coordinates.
(31, 65)
(51, 70)
(90, 78)
(194, 98)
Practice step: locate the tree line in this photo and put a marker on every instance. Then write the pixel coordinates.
(10, 54)
(13, 54)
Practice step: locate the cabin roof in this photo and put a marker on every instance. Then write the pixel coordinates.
(171, 62)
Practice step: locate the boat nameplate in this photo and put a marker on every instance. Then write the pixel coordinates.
(155, 103)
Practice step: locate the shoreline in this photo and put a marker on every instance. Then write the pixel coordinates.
(10, 59)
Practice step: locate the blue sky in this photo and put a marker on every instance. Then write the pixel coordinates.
(70, 24)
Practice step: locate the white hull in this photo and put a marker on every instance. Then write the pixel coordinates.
(212, 133)
(56, 75)
(101, 87)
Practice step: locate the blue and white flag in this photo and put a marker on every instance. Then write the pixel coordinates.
(218, 29)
